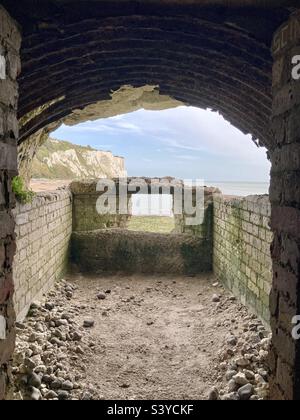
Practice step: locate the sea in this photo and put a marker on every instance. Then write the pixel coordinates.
(143, 205)
(241, 189)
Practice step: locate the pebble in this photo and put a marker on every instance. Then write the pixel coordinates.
(76, 336)
(49, 306)
(242, 362)
(215, 298)
(88, 323)
(245, 392)
(230, 374)
(125, 386)
(263, 373)
(86, 396)
(63, 395)
(20, 325)
(232, 385)
(35, 394)
(35, 380)
(232, 341)
(213, 395)
(55, 341)
(233, 396)
(67, 386)
(240, 379)
(33, 338)
(101, 296)
(47, 379)
(56, 384)
(29, 364)
(249, 375)
(79, 350)
(50, 395)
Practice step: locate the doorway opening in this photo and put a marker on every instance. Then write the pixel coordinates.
(152, 213)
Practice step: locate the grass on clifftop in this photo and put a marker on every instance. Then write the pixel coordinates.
(154, 224)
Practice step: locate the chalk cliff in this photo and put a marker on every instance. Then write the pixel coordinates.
(57, 159)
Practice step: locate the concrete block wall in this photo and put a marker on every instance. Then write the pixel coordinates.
(242, 255)
(43, 231)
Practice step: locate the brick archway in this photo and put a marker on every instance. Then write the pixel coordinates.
(74, 55)
(205, 54)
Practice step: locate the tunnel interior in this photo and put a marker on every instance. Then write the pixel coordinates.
(75, 55)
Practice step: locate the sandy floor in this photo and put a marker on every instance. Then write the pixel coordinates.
(155, 338)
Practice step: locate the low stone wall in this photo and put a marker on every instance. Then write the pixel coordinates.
(116, 250)
(86, 196)
(85, 214)
(43, 231)
(242, 257)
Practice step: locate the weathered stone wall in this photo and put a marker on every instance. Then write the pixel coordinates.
(117, 250)
(285, 220)
(242, 249)
(43, 231)
(9, 51)
(85, 214)
(204, 229)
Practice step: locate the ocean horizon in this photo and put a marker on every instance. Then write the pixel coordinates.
(240, 189)
(142, 205)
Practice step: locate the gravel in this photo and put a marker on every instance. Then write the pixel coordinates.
(45, 362)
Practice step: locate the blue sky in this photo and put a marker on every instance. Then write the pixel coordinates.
(184, 142)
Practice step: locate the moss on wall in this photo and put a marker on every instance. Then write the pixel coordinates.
(117, 250)
(242, 257)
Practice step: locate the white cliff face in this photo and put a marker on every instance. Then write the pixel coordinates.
(67, 161)
(97, 160)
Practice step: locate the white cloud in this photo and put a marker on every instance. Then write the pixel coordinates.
(111, 126)
(186, 157)
(199, 131)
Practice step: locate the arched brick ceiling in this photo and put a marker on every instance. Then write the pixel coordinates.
(208, 56)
